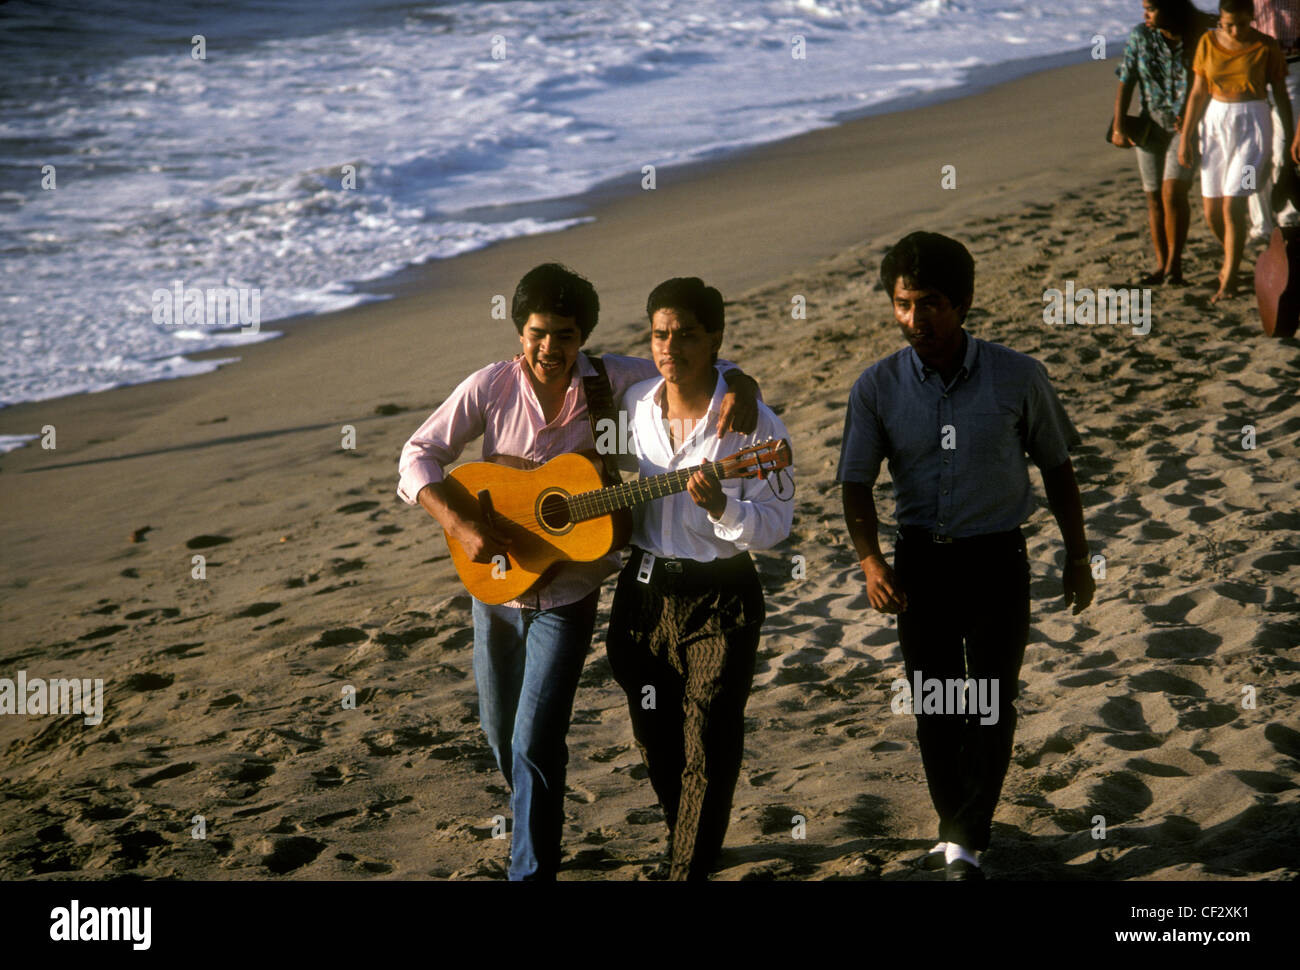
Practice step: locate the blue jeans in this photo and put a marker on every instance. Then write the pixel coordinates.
(527, 664)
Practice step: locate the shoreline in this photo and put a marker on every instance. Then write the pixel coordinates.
(587, 205)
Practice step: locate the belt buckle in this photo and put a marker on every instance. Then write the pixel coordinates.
(941, 540)
(672, 565)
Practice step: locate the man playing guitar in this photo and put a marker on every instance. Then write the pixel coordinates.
(529, 652)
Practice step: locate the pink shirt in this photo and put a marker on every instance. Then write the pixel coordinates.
(1279, 19)
(499, 404)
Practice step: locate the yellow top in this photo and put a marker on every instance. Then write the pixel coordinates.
(1241, 75)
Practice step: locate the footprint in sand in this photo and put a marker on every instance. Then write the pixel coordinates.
(1120, 797)
(1267, 782)
(645, 816)
(1144, 767)
(229, 700)
(777, 818)
(1052, 750)
(365, 863)
(1209, 716)
(406, 638)
(356, 507)
(253, 810)
(340, 636)
(1160, 681)
(252, 772)
(379, 809)
(1285, 740)
(291, 853)
(136, 848)
(329, 777)
(206, 541)
(256, 609)
(1087, 679)
(165, 612)
(103, 631)
(104, 812)
(1182, 643)
(147, 682)
(330, 818)
(1123, 714)
(382, 744)
(171, 771)
(184, 651)
(1275, 562)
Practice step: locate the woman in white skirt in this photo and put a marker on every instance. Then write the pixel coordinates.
(1234, 65)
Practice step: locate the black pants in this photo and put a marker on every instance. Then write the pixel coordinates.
(967, 616)
(691, 635)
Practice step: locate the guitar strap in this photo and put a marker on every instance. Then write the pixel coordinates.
(600, 407)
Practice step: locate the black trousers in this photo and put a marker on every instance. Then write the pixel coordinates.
(967, 616)
(682, 647)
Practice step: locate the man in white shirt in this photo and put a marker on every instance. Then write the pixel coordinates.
(683, 629)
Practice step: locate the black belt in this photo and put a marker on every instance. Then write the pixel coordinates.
(690, 571)
(912, 533)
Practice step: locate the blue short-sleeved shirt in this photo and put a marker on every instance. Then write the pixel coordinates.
(1163, 80)
(956, 453)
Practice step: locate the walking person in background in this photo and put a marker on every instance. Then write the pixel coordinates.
(1158, 64)
(1280, 19)
(1235, 65)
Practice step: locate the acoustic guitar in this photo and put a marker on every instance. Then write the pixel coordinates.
(1277, 285)
(563, 512)
(1277, 274)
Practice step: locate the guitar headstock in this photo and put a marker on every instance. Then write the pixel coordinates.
(757, 461)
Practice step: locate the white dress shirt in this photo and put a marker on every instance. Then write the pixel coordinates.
(674, 527)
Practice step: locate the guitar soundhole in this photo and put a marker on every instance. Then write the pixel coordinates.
(553, 512)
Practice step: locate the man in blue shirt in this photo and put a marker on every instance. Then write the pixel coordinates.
(955, 416)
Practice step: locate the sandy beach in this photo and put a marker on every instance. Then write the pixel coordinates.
(223, 695)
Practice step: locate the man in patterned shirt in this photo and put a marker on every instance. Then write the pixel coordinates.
(1157, 62)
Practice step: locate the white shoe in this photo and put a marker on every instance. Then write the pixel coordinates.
(936, 858)
(955, 852)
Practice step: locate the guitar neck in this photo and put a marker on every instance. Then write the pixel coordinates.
(602, 501)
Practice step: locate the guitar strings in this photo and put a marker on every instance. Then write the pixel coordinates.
(589, 505)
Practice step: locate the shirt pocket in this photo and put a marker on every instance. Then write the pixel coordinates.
(991, 440)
